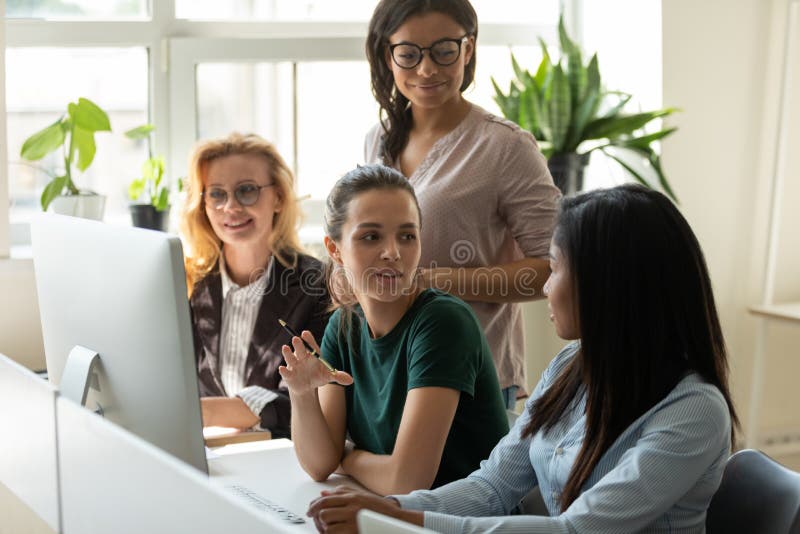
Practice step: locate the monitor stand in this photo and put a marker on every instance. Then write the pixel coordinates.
(79, 374)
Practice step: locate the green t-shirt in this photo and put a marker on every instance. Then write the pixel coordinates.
(437, 343)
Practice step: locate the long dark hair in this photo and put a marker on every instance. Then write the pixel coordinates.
(388, 16)
(360, 180)
(646, 313)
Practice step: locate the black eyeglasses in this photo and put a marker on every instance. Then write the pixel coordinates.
(443, 52)
(245, 194)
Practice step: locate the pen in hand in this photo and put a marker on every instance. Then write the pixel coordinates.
(308, 347)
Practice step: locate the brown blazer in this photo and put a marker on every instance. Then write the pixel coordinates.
(299, 296)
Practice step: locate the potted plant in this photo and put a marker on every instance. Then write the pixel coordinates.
(150, 192)
(74, 131)
(571, 115)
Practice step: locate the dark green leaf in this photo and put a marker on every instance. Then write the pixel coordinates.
(543, 72)
(560, 108)
(624, 98)
(140, 132)
(582, 115)
(577, 75)
(593, 75)
(525, 111)
(639, 178)
(518, 71)
(502, 101)
(52, 190)
(644, 141)
(538, 110)
(545, 53)
(43, 142)
(655, 162)
(89, 116)
(567, 45)
(612, 127)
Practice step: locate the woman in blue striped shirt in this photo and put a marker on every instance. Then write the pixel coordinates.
(631, 424)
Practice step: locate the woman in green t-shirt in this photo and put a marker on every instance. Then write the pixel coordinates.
(422, 403)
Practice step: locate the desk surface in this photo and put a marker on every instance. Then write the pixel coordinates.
(270, 468)
(789, 311)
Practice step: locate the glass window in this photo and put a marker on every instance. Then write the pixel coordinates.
(296, 10)
(517, 11)
(77, 9)
(493, 11)
(329, 127)
(39, 84)
(639, 22)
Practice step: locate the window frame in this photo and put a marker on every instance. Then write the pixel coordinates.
(175, 48)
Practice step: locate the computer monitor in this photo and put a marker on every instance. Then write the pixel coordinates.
(115, 317)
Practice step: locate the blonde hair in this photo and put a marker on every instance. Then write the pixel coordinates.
(203, 244)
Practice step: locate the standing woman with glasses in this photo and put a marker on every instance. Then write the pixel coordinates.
(486, 195)
(245, 270)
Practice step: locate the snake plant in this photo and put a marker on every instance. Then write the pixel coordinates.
(565, 106)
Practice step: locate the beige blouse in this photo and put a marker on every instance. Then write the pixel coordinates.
(487, 198)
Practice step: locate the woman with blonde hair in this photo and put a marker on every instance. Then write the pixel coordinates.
(245, 269)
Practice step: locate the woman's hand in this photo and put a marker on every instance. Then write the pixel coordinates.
(303, 373)
(335, 511)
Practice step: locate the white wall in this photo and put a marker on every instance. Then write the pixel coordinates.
(20, 328)
(720, 66)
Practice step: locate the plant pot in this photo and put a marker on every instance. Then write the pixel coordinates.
(567, 171)
(146, 216)
(85, 205)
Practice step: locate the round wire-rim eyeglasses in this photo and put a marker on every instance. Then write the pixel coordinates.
(246, 194)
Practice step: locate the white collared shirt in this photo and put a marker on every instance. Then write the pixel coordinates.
(240, 307)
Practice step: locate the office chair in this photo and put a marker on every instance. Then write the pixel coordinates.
(757, 494)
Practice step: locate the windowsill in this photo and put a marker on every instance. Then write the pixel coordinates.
(311, 237)
(21, 252)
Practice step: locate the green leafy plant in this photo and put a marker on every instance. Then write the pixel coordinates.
(151, 187)
(566, 107)
(74, 131)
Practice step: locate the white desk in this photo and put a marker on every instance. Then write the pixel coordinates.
(113, 481)
(270, 468)
(28, 452)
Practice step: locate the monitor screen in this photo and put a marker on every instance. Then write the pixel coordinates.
(121, 293)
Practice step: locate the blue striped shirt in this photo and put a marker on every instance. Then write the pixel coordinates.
(658, 476)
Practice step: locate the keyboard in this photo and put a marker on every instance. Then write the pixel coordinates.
(264, 504)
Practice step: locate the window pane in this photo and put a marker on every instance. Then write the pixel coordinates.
(495, 11)
(332, 118)
(517, 11)
(40, 82)
(77, 9)
(297, 10)
(247, 98)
